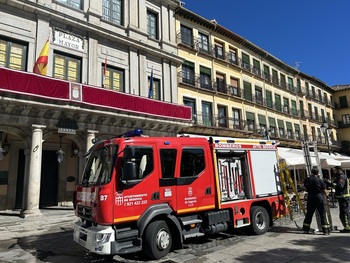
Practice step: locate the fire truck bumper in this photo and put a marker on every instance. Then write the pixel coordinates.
(98, 239)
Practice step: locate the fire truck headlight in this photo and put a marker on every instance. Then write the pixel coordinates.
(102, 238)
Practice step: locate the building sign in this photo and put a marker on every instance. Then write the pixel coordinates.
(68, 40)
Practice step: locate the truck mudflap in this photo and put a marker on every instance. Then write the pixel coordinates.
(102, 239)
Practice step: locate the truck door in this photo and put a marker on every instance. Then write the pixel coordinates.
(195, 187)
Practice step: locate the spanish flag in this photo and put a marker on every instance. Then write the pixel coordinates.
(41, 63)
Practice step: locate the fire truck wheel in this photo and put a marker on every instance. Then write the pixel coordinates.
(260, 220)
(157, 240)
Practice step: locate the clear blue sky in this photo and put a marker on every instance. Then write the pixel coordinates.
(313, 33)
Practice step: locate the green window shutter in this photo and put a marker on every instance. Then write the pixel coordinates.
(204, 70)
(272, 122)
(262, 119)
(280, 124)
(188, 63)
(296, 127)
(247, 89)
(250, 116)
(289, 125)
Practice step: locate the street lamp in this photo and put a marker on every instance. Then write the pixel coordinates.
(326, 131)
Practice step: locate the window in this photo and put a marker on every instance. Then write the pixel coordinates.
(323, 116)
(232, 56)
(192, 162)
(220, 83)
(112, 11)
(247, 89)
(272, 126)
(258, 95)
(320, 98)
(286, 105)
(73, 3)
(167, 162)
(191, 103)
(113, 79)
(289, 130)
(219, 50)
(346, 119)
(316, 112)
(283, 81)
(290, 84)
(188, 73)
(205, 77)
(156, 88)
(222, 116)
(152, 24)
(143, 159)
(186, 35)
(310, 111)
(301, 107)
(250, 121)
(267, 72)
(298, 86)
(262, 122)
(203, 43)
(13, 55)
(343, 103)
(256, 67)
(207, 114)
(278, 102)
(99, 167)
(297, 131)
(245, 62)
(269, 99)
(313, 92)
(236, 117)
(307, 89)
(274, 77)
(280, 128)
(66, 67)
(294, 108)
(234, 87)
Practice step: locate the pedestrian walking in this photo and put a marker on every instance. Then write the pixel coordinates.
(316, 194)
(342, 193)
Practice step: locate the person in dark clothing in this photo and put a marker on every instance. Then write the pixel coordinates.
(342, 193)
(316, 190)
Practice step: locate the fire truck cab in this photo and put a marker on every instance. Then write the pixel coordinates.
(152, 193)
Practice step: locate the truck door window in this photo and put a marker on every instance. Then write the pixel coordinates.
(143, 160)
(168, 161)
(192, 162)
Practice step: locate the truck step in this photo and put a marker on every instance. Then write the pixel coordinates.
(192, 221)
(126, 233)
(198, 234)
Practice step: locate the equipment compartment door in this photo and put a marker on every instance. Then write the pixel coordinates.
(195, 187)
(265, 169)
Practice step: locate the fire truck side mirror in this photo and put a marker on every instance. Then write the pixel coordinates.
(129, 153)
(129, 171)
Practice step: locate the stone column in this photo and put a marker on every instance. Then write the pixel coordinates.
(32, 188)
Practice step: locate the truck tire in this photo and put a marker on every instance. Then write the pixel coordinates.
(157, 240)
(260, 220)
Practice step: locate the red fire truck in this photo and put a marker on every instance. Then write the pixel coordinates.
(152, 193)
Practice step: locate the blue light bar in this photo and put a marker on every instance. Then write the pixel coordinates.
(133, 133)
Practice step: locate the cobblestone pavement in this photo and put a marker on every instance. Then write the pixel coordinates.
(48, 238)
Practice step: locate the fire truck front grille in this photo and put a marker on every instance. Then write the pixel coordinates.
(84, 212)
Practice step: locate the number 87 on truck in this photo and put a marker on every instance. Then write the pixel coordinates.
(151, 194)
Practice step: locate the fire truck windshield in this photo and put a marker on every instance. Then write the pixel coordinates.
(99, 167)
